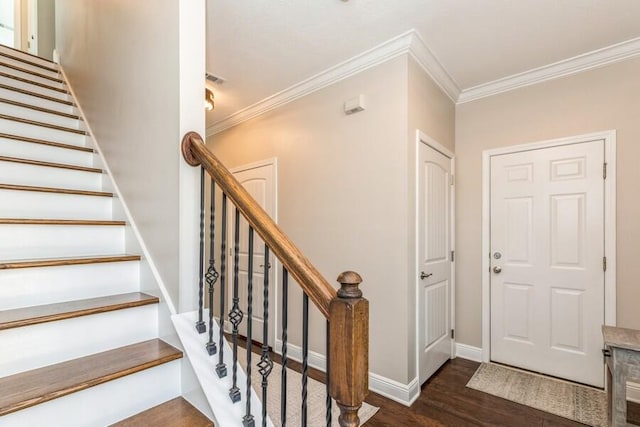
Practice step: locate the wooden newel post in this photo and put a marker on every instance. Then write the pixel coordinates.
(349, 348)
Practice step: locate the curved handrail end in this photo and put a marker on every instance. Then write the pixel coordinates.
(186, 145)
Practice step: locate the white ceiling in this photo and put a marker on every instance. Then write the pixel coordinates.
(261, 47)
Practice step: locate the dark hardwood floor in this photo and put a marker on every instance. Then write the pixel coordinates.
(446, 401)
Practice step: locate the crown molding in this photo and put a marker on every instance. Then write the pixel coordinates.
(408, 42)
(594, 59)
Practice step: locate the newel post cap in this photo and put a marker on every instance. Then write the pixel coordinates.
(349, 281)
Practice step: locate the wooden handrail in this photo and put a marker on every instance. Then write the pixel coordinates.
(312, 282)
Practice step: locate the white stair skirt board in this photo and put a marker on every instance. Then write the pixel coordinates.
(40, 132)
(28, 67)
(34, 204)
(34, 100)
(47, 176)
(25, 287)
(20, 84)
(46, 241)
(46, 153)
(54, 342)
(30, 58)
(216, 389)
(39, 116)
(104, 404)
(30, 76)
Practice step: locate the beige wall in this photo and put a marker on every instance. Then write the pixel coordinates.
(342, 194)
(123, 60)
(431, 111)
(601, 99)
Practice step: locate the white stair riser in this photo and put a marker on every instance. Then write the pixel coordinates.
(44, 241)
(45, 153)
(48, 285)
(40, 132)
(26, 57)
(29, 76)
(40, 345)
(34, 100)
(33, 204)
(29, 67)
(45, 176)
(40, 116)
(104, 404)
(34, 88)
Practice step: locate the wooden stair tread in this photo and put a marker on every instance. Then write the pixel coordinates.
(30, 388)
(42, 124)
(36, 94)
(35, 315)
(37, 108)
(44, 221)
(49, 164)
(26, 61)
(33, 73)
(173, 413)
(54, 190)
(29, 54)
(59, 262)
(33, 82)
(43, 142)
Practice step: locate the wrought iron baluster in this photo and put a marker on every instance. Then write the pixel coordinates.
(305, 357)
(235, 316)
(328, 401)
(200, 325)
(248, 420)
(212, 274)
(266, 364)
(285, 315)
(221, 368)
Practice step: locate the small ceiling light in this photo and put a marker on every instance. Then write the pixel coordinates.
(208, 100)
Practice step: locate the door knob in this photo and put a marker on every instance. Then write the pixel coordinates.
(424, 275)
(497, 269)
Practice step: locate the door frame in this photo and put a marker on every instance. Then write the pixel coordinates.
(423, 138)
(609, 138)
(273, 161)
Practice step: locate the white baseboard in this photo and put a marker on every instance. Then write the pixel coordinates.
(468, 352)
(633, 392)
(405, 394)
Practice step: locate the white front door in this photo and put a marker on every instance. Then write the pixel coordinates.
(547, 249)
(434, 260)
(259, 181)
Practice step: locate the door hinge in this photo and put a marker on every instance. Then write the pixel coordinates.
(604, 170)
(604, 263)
(451, 179)
(453, 256)
(453, 334)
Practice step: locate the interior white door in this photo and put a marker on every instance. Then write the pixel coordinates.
(32, 27)
(259, 182)
(547, 249)
(434, 255)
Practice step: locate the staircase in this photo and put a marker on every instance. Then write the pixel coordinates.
(79, 341)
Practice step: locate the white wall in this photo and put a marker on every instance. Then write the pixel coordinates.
(140, 92)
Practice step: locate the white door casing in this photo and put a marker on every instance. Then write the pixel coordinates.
(434, 285)
(550, 219)
(259, 179)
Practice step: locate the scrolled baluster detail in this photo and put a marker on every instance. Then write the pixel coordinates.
(349, 352)
(236, 315)
(265, 366)
(285, 324)
(305, 358)
(212, 275)
(247, 420)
